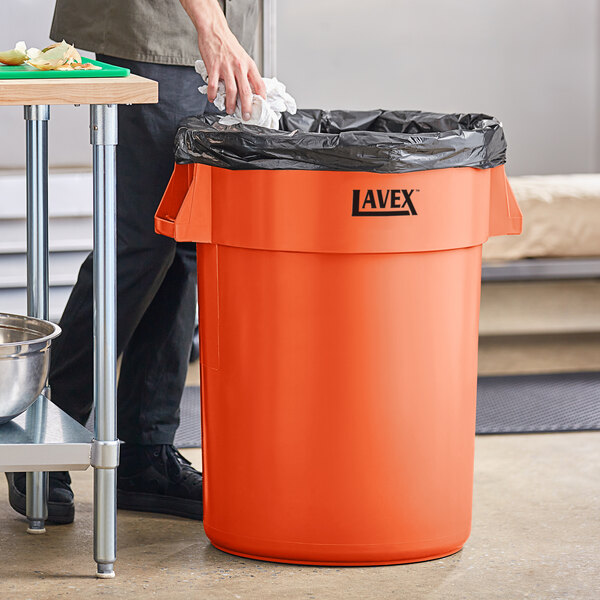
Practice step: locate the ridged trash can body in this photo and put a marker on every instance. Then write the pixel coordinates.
(338, 326)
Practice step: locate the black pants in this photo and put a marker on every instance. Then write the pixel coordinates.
(156, 277)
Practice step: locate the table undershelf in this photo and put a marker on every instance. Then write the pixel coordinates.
(44, 438)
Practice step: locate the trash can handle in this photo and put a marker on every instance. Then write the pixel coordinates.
(185, 212)
(505, 215)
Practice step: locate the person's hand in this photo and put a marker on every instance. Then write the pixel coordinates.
(224, 57)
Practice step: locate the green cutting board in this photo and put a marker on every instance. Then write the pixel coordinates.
(28, 72)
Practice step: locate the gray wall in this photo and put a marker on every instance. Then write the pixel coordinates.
(68, 130)
(533, 63)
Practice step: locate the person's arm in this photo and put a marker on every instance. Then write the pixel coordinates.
(224, 57)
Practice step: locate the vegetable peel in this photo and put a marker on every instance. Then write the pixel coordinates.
(18, 55)
(56, 57)
(60, 57)
(53, 57)
(13, 58)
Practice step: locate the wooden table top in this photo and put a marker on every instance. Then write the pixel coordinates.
(95, 90)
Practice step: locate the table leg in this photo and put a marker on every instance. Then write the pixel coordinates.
(36, 118)
(105, 447)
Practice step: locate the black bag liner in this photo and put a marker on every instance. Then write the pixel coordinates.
(377, 141)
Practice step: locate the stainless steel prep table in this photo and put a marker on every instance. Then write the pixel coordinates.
(44, 438)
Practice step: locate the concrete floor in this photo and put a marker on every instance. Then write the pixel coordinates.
(536, 535)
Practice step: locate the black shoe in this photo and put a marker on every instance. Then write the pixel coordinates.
(61, 508)
(158, 479)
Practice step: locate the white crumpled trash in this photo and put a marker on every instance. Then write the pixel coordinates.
(264, 113)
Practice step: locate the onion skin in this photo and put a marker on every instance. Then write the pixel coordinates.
(13, 58)
(61, 56)
(55, 56)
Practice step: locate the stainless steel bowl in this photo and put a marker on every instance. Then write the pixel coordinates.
(24, 361)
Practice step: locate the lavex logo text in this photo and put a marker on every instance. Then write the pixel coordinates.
(383, 203)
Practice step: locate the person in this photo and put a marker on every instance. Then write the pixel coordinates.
(156, 277)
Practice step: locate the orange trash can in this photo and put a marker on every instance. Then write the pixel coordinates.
(339, 327)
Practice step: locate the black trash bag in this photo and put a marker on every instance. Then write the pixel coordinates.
(377, 141)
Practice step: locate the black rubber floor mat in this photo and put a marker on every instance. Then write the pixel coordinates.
(189, 433)
(505, 404)
(538, 403)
